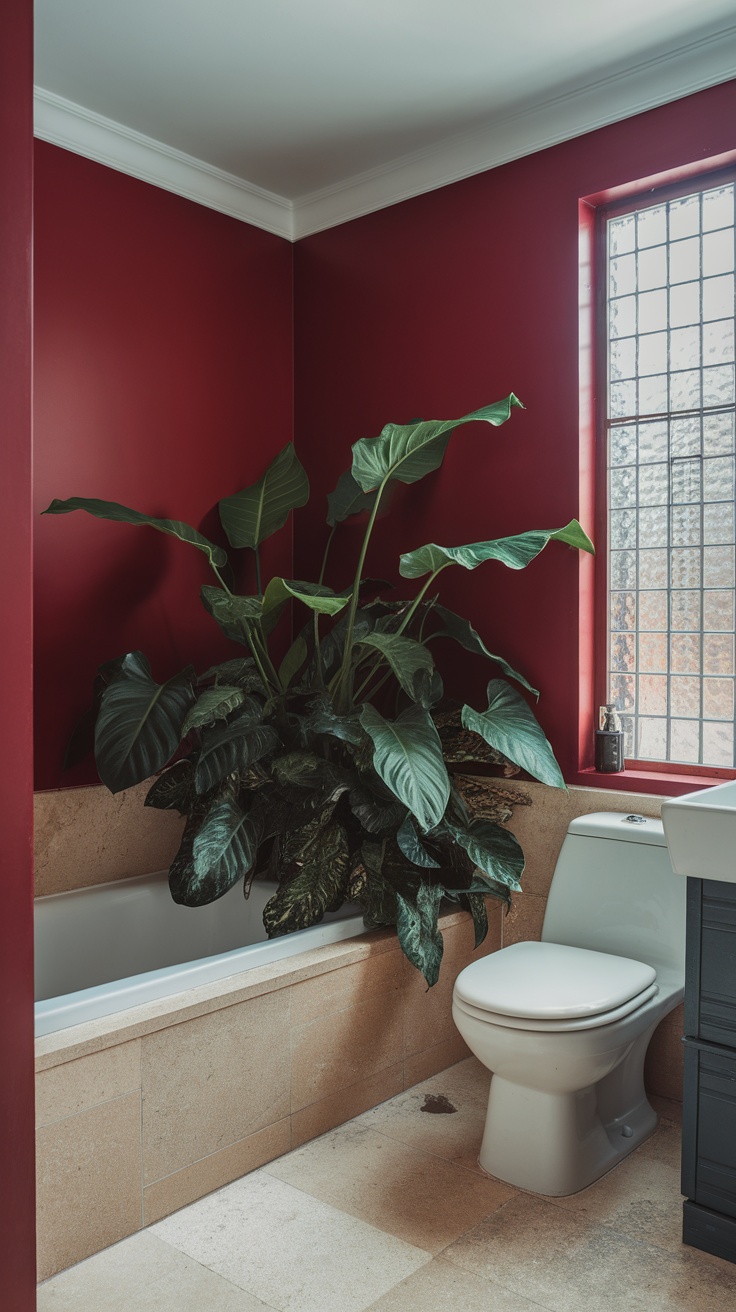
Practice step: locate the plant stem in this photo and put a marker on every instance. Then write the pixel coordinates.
(418, 599)
(342, 688)
(259, 585)
(315, 617)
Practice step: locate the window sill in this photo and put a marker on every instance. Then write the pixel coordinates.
(662, 782)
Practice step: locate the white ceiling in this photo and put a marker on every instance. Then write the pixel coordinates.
(297, 114)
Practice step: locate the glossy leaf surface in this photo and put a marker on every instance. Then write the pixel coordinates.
(139, 723)
(112, 510)
(493, 849)
(347, 499)
(257, 511)
(407, 755)
(462, 632)
(405, 657)
(515, 552)
(509, 725)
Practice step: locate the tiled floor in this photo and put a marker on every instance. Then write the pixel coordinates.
(391, 1213)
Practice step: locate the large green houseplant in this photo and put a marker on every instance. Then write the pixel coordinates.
(329, 774)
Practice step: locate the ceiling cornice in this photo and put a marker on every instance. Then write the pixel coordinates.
(80, 130)
(672, 74)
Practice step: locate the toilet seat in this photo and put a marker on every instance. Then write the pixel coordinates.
(550, 986)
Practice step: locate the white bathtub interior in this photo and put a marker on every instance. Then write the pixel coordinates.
(100, 950)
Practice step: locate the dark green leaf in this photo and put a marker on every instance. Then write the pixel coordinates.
(223, 850)
(293, 661)
(428, 688)
(254, 514)
(123, 515)
(378, 812)
(407, 754)
(231, 747)
(323, 719)
(418, 931)
(174, 789)
(214, 704)
(313, 595)
(233, 614)
(475, 903)
(462, 632)
(511, 728)
(494, 850)
(414, 851)
(347, 499)
(240, 671)
(405, 656)
(139, 722)
(318, 887)
(515, 552)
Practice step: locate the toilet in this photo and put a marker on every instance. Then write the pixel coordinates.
(564, 1024)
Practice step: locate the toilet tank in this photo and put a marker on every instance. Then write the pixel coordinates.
(614, 890)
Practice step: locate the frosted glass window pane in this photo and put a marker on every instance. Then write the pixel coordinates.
(653, 395)
(685, 526)
(717, 253)
(685, 348)
(718, 385)
(627, 724)
(718, 524)
(684, 304)
(652, 268)
(623, 569)
(652, 311)
(685, 567)
(685, 610)
(653, 486)
(718, 653)
(685, 437)
(684, 260)
(623, 399)
(652, 569)
(623, 486)
(718, 297)
(623, 651)
(622, 234)
(718, 341)
(718, 567)
(718, 208)
(653, 527)
(623, 358)
(623, 317)
(623, 529)
(652, 442)
(718, 745)
(684, 653)
(685, 740)
(685, 481)
(685, 390)
(653, 694)
(652, 740)
(623, 275)
(652, 611)
(653, 354)
(684, 696)
(653, 652)
(718, 479)
(623, 610)
(718, 699)
(718, 610)
(623, 446)
(718, 434)
(684, 217)
(652, 226)
(623, 691)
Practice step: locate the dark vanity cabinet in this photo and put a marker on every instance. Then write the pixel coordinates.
(709, 1097)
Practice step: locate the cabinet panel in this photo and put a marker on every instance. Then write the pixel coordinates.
(711, 985)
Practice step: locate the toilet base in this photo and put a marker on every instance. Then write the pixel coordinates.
(556, 1143)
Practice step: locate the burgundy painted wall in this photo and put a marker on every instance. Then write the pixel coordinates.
(163, 381)
(17, 1225)
(448, 301)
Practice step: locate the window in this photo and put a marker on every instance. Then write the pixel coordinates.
(670, 463)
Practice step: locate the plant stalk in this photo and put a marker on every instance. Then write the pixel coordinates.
(343, 690)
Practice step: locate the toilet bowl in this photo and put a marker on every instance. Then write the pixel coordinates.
(564, 1024)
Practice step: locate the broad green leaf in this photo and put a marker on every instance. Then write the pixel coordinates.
(405, 656)
(510, 727)
(418, 931)
(368, 887)
(214, 704)
(463, 633)
(305, 770)
(414, 851)
(323, 719)
(428, 688)
(378, 813)
(409, 451)
(230, 747)
(515, 552)
(240, 671)
(223, 850)
(407, 755)
(347, 499)
(254, 514)
(494, 850)
(123, 515)
(174, 789)
(139, 722)
(233, 614)
(293, 661)
(320, 885)
(314, 595)
(475, 903)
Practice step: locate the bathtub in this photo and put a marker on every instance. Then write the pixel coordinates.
(104, 949)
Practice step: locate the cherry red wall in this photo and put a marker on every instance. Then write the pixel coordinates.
(163, 381)
(17, 1226)
(448, 301)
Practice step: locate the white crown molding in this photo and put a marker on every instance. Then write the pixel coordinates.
(75, 128)
(669, 76)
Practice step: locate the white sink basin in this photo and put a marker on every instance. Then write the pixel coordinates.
(700, 829)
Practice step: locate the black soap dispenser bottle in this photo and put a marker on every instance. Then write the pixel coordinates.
(609, 741)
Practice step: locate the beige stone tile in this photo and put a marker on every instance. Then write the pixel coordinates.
(143, 1274)
(454, 1135)
(525, 918)
(428, 1019)
(664, 1066)
(441, 1287)
(86, 836)
(568, 1264)
(413, 1195)
(342, 1106)
(345, 1048)
(88, 1179)
(193, 1182)
(345, 987)
(293, 1251)
(640, 1197)
(420, 1066)
(213, 1081)
(77, 1085)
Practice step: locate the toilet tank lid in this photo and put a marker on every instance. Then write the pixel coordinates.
(625, 826)
(551, 981)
